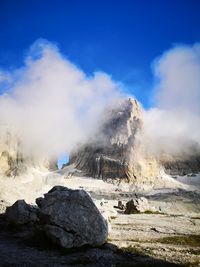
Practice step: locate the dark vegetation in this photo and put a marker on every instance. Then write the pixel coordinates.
(187, 240)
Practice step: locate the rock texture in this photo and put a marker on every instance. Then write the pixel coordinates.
(10, 157)
(116, 152)
(13, 161)
(21, 213)
(71, 219)
(181, 165)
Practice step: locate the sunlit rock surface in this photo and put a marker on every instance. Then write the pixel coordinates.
(14, 161)
(116, 152)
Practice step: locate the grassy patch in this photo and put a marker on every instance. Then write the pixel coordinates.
(191, 264)
(175, 215)
(109, 239)
(187, 240)
(146, 212)
(152, 212)
(132, 250)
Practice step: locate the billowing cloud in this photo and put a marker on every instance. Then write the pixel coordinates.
(174, 125)
(51, 104)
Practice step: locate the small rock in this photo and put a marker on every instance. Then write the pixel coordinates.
(21, 213)
(120, 205)
(107, 210)
(138, 205)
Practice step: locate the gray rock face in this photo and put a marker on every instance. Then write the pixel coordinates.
(116, 152)
(14, 161)
(21, 213)
(182, 166)
(71, 219)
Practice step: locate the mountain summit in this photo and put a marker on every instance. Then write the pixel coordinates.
(118, 150)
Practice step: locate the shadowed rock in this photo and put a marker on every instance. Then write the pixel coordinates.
(116, 152)
(71, 219)
(21, 213)
(138, 205)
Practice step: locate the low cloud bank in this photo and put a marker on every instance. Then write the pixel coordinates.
(52, 105)
(173, 126)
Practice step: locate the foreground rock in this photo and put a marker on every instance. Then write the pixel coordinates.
(71, 219)
(145, 237)
(21, 213)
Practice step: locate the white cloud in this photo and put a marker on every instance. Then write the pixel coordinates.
(52, 104)
(175, 124)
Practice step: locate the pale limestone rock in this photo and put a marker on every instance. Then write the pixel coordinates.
(14, 161)
(117, 152)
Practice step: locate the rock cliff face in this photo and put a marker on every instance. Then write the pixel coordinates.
(116, 152)
(181, 166)
(13, 162)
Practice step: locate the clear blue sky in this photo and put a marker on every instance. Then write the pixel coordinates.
(120, 37)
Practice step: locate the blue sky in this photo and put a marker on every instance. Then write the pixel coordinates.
(119, 37)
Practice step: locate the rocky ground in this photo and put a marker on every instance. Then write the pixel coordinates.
(167, 236)
(19, 249)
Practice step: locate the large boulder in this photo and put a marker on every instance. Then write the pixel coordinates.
(71, 219)
(21, 213)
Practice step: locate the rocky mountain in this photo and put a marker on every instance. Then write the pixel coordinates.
(181, 165)
(13, 161)
(118, 152)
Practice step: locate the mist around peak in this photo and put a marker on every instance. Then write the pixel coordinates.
(50, 104)
(173, 125)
